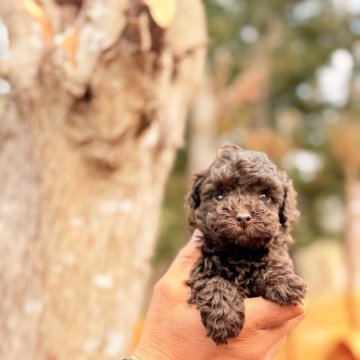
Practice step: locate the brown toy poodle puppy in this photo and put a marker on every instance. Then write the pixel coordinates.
(245, 208)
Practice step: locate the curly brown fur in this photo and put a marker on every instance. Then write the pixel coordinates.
(245, 208)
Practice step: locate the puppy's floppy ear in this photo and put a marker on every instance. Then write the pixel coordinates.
(193, 199)
(288, 212)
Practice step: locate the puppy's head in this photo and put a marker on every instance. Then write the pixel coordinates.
(241, 199)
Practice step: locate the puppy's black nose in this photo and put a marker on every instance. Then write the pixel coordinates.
(243, 218)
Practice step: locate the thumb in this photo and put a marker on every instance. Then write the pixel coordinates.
(186, 258)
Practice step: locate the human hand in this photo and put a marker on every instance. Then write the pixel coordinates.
(173, 329)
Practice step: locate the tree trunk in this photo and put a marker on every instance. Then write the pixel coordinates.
(96, 112)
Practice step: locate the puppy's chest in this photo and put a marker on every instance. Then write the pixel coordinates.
(243, 273)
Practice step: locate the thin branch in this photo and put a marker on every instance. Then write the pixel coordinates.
(246, 87)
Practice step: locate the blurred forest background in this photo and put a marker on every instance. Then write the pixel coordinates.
(282, 77)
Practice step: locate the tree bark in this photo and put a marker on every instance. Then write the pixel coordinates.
(95, 115)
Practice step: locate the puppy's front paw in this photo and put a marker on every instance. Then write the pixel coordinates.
(292, 291)
(221, 307)
(222, 323)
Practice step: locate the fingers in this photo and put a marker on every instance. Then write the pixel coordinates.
(275, 348)
(289, 326)
(263, 314)
(186, 258)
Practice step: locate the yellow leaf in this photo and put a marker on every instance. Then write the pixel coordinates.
(34, 9)
(162, 11)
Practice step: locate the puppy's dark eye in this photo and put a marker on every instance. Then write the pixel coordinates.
(264, 196)
(219, 197)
